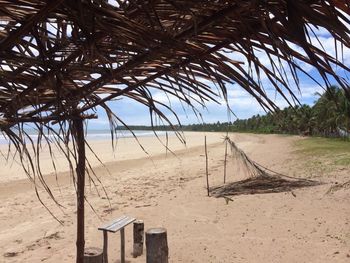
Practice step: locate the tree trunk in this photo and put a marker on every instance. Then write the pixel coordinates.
(157, 245)
(138, 238)
(78, 133)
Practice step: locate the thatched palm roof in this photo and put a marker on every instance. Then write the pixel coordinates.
(58, 54)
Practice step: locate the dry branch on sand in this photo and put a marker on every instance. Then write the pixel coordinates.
(338, 187)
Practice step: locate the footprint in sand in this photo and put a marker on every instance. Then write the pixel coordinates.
(18, 241)
(55, 235)
(11, 254)
(108, 209)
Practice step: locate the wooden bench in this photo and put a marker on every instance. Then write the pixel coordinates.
(114, 226)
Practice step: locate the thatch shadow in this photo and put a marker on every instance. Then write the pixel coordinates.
(262, 184)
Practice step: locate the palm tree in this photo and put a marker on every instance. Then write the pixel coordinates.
(331, 111)
(305, 120)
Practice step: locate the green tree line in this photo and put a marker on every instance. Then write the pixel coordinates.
(329, 116)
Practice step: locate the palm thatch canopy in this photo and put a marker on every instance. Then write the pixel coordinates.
(61, 59)
(57, 55)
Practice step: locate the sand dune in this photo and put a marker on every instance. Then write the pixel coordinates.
(169, 190)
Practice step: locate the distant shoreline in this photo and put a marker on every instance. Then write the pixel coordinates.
(99, 135)
(126, 148)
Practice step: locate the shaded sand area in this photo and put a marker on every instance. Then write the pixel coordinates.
(305, 225)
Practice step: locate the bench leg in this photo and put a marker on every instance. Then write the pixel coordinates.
(122, 245)
(105, 247)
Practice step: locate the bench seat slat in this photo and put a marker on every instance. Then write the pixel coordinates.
(117, 224)
(112, 222)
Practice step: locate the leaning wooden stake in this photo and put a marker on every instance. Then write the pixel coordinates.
(138, 238)
(157, 245)
(225, 162)
(206, 163)
(78, 133)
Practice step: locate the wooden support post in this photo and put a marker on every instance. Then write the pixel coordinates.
(157, 245)
(78, 133)
(122, 245)
(105, 247)
(138, 238)
(225, 162)
(206, 164)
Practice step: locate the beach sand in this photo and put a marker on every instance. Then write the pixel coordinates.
(168, 190)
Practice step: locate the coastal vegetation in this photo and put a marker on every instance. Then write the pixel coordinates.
(328, 117)
(326, 151)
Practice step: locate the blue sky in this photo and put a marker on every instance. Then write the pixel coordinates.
(242, 104)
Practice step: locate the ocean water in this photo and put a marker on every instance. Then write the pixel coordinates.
(106, 135)
(93, 135)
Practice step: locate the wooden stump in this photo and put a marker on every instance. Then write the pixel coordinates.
(138, 238)
(157, 245)
(93, 255)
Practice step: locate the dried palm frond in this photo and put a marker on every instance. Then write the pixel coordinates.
(261, 185)
(67, 53)
(261, 179)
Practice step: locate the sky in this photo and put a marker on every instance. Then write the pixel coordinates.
(241, 103)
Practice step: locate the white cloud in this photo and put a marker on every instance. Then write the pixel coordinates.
(163, 98)
(242, 103)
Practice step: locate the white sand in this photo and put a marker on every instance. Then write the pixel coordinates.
(169, 191)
